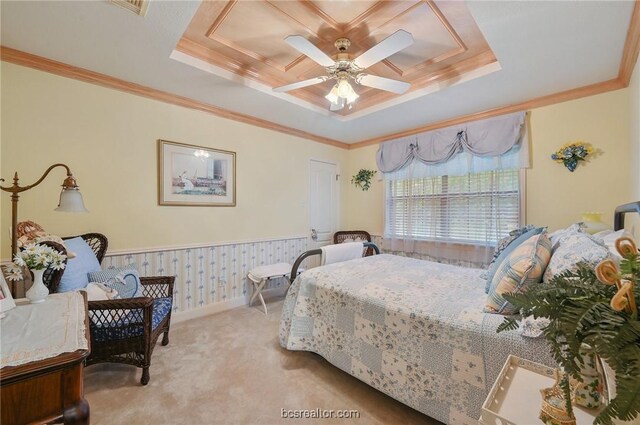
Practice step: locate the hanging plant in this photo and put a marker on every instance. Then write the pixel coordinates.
(572, 153)
(363, 179)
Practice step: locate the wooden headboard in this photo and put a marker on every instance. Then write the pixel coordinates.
(618, 217)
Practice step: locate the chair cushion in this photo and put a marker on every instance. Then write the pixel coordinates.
(110, 330)
(75, 273)
(125, 280)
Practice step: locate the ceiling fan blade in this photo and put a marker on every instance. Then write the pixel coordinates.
(305, 47)
(387, 47)
(300, 84)
(337, 106)
(382, 83)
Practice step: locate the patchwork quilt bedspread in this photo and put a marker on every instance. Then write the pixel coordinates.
(412, 329)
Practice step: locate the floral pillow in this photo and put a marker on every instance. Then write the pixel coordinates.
(559, 234)
(571, 249)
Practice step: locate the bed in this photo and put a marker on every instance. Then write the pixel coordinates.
(410, 328)
(416, 332)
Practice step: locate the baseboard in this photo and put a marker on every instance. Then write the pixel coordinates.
(208, 310)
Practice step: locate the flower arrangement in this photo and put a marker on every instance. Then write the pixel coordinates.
(363, 179)
(571, 153)
(35, 257)
(598, 308)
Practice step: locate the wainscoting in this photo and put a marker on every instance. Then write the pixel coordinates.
(213, 277)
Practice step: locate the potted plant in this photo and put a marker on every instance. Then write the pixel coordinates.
(595, 308)
(363, 179)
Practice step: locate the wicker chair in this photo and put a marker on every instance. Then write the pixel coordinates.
(123, 330)
(341, 236)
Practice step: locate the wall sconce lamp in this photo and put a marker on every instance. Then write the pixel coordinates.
(70, 199)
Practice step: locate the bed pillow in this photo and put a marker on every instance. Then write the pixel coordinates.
(609, 237)
(572, 249)
(503, 244)
(523, 267)
(493, 268)
(125, 280)
(561, 233)
(75, 273)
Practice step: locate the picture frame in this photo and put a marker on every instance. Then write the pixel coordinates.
(190, 175)
(6, 299)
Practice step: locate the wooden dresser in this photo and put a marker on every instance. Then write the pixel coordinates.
(49, 389)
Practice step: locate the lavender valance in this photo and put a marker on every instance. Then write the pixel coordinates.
(492, 137)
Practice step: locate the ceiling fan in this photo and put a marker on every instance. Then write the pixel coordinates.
(344, 68)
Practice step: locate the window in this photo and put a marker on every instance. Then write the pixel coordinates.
(476, 208)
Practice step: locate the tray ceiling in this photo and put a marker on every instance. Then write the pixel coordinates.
(549, 51)
(246, 38)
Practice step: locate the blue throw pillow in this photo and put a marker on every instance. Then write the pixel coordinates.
(507, 251)
(125, 280)
(75, 273)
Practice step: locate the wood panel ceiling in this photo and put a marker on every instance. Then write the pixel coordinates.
(247, 38)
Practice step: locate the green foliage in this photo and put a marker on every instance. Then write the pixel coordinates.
(363, 179)
(578, 307)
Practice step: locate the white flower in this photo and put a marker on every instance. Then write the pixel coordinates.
(39, 257)
(14, 272)
(58, 266)
(32, 248)
(19, 261)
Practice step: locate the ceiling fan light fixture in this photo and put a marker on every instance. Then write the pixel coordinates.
(351, 97)
(333, 95)
(344, 88)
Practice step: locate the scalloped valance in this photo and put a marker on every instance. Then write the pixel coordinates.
(490, 138)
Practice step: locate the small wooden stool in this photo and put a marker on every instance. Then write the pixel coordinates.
(259, 276)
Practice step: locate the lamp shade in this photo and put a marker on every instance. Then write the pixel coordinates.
(593, 222)
(71, 201)
(333, 95)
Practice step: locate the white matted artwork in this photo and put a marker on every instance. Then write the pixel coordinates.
(6, 299)
(195, 175)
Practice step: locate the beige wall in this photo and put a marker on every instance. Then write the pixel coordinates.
(555, 197)
(108, 138)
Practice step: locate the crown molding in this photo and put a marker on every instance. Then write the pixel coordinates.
(538, 102)
(629, 59)
(627, 64)
(43, 64)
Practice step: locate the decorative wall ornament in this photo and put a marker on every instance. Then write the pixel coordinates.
(363, 179)
(572, 153)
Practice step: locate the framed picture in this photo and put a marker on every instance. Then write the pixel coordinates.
(195, 175)
(6, 300)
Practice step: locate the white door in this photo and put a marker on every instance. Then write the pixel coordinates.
(323, 203)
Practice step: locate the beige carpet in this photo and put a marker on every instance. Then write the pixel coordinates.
(229, 369)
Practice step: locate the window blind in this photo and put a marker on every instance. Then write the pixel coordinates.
(478, 208)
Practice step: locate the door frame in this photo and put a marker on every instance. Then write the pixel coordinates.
(337, 195)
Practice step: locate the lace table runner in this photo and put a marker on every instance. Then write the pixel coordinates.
(33, 332)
